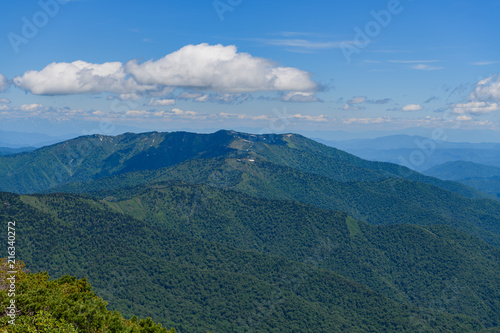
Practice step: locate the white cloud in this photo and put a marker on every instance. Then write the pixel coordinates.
(161, 102)
(411, 107)
(487, 89)
(79, 77)
(357, 100)
(4, 83)
(203, 98)
(130, 96)
(475, 107)
(4, 100)
(189, 95)
(220, 68)
(350, 107)
(222, 98)
(319, 118)
(203, 67)
(366, 120)
(484, 99)
(300, 97)
(464, 118)
(30, 107)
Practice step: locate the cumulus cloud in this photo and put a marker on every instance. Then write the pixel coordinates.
(203, 68)
(30, 107)
(475, 107)
(79, 77)
(220, 68)
(411, 107)
(189, 95)
(352, 104)
(4, 83)
(350, 107)
(4, 100)
(161, 102)
(366, 121)
(487, 90)
(299, 97)
(320, 118)
(484, 99)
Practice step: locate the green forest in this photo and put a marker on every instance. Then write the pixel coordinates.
(63, 305)
(232, 232)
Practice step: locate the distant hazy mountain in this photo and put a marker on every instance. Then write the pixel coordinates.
(417, 152)
(10, 139)
(459, 170)
(482, 177)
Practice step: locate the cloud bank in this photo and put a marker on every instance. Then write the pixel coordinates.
(203, 67)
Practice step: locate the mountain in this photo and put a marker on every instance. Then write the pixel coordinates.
(195, 285)
(484, 178)
(273, 166)
(417, 152)
(97, 156)
(410, 264)
(460, 170)
(12, 139)
(303, 170)
(257, 233)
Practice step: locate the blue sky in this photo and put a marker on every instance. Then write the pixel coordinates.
(108, 66)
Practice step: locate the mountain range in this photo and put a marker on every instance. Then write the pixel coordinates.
(419, 153)
(257, 233)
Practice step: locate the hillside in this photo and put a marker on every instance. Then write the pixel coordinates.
(10, 151)
(270, 166)
(387, 201)
(408, 263)
(64, 305)
(186, 228)
(196, 285)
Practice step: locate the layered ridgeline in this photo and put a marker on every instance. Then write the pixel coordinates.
(435, 267)
(269, 166)
(485, 178)
(97, 156)
(199, 278)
